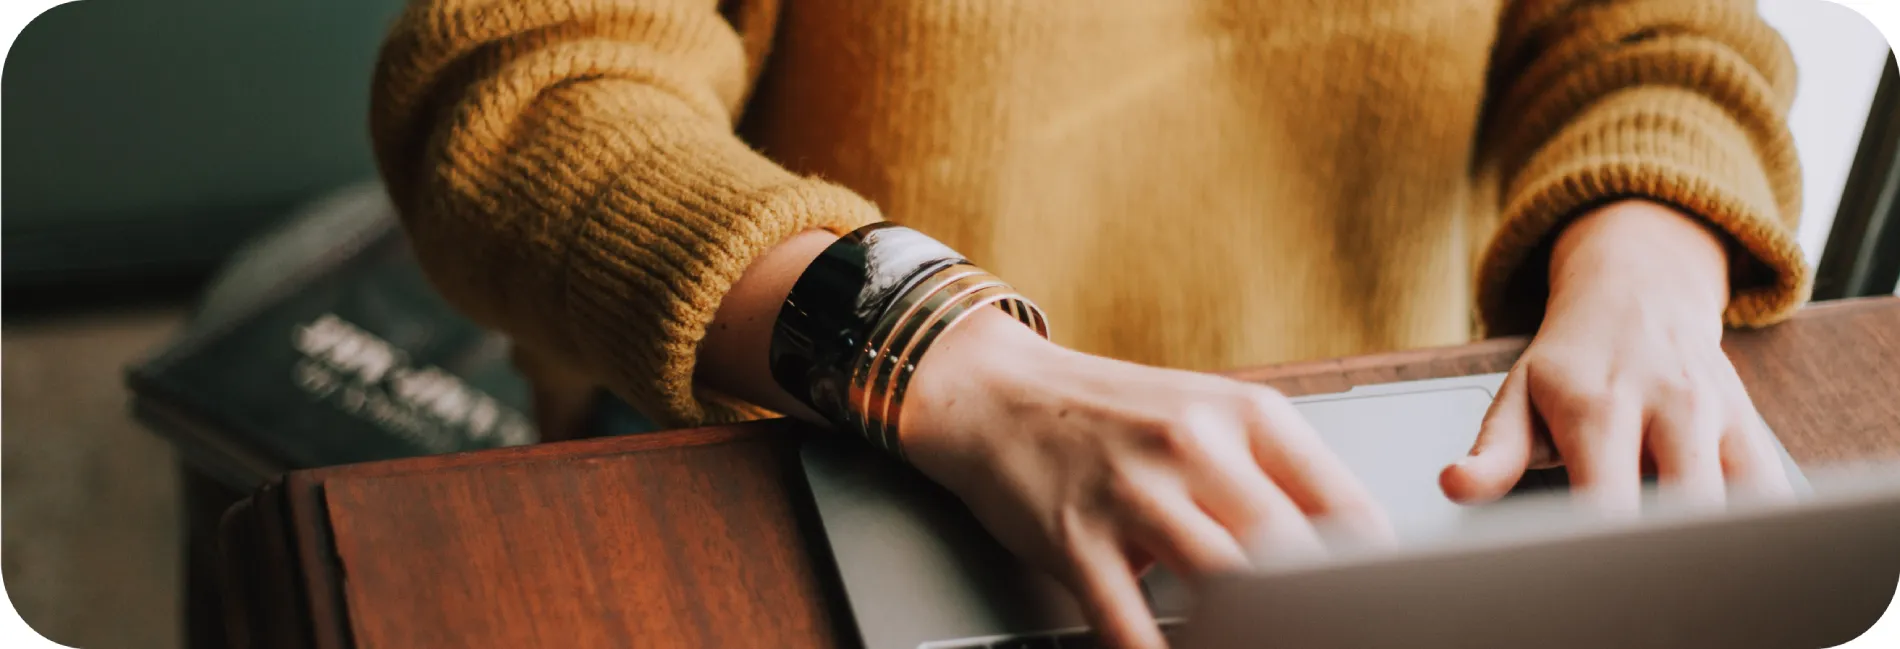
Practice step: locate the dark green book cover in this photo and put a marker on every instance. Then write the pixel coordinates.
(323, 344)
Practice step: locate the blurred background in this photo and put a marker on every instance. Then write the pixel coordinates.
(147, 140)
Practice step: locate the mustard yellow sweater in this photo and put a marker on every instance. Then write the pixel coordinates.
(1193, 183)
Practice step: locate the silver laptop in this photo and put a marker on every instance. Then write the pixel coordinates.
(1540, 572)
(920, 573)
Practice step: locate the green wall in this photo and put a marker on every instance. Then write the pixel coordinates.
(153, 134)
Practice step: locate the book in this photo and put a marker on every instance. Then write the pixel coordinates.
(322, 343)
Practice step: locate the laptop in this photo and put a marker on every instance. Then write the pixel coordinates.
(919, 572)
(1540, 572)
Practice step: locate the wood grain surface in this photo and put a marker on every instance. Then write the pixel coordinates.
(688, 545)
(704, 538)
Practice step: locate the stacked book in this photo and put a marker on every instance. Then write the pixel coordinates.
(321, 343)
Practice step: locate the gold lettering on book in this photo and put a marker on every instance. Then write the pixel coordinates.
(365, 376)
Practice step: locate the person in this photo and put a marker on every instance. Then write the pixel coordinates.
(639, 192)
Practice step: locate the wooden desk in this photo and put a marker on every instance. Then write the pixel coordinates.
(703, 538)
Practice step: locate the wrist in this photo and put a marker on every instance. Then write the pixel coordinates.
(985, 355)
(1638, 251)
(857, 323)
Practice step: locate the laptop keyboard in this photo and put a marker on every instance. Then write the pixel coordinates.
(1066, 639)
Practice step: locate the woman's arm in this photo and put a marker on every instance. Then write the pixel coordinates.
(734, 357)
(569, 174)
(1650, 195)
(1682, 103)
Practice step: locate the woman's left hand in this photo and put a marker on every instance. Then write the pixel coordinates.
(1626, 374)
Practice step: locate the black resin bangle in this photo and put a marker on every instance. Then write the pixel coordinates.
(835, 304)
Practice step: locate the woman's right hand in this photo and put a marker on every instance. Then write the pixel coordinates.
(1091, 468)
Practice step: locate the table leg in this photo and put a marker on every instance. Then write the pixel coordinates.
(205, 500)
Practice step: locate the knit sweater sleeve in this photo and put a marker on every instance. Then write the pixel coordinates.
(569, 174)
(1682, 103)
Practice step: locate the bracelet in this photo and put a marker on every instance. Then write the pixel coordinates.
(834, 303)
(850, 334)
(903, 313)
(885, 395)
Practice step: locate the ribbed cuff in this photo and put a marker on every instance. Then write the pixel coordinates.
(648, 271)
(1682, 152)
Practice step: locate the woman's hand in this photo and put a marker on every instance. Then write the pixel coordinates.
(1090, 468)
(1627, 371)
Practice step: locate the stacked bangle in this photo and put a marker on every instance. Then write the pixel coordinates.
(862, 316)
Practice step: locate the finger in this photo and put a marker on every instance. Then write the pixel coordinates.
(1237, 491)
(1503, 450)
(1176, 531)
(1601, 445)
(1111, 597)
(1685, 443)
(1751, 462)
(1239, 496)
(1306, 475)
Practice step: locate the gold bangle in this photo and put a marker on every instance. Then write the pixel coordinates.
(881, 371)
(877, 345)
(906, 364)
(877, 406)
(874, 372)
